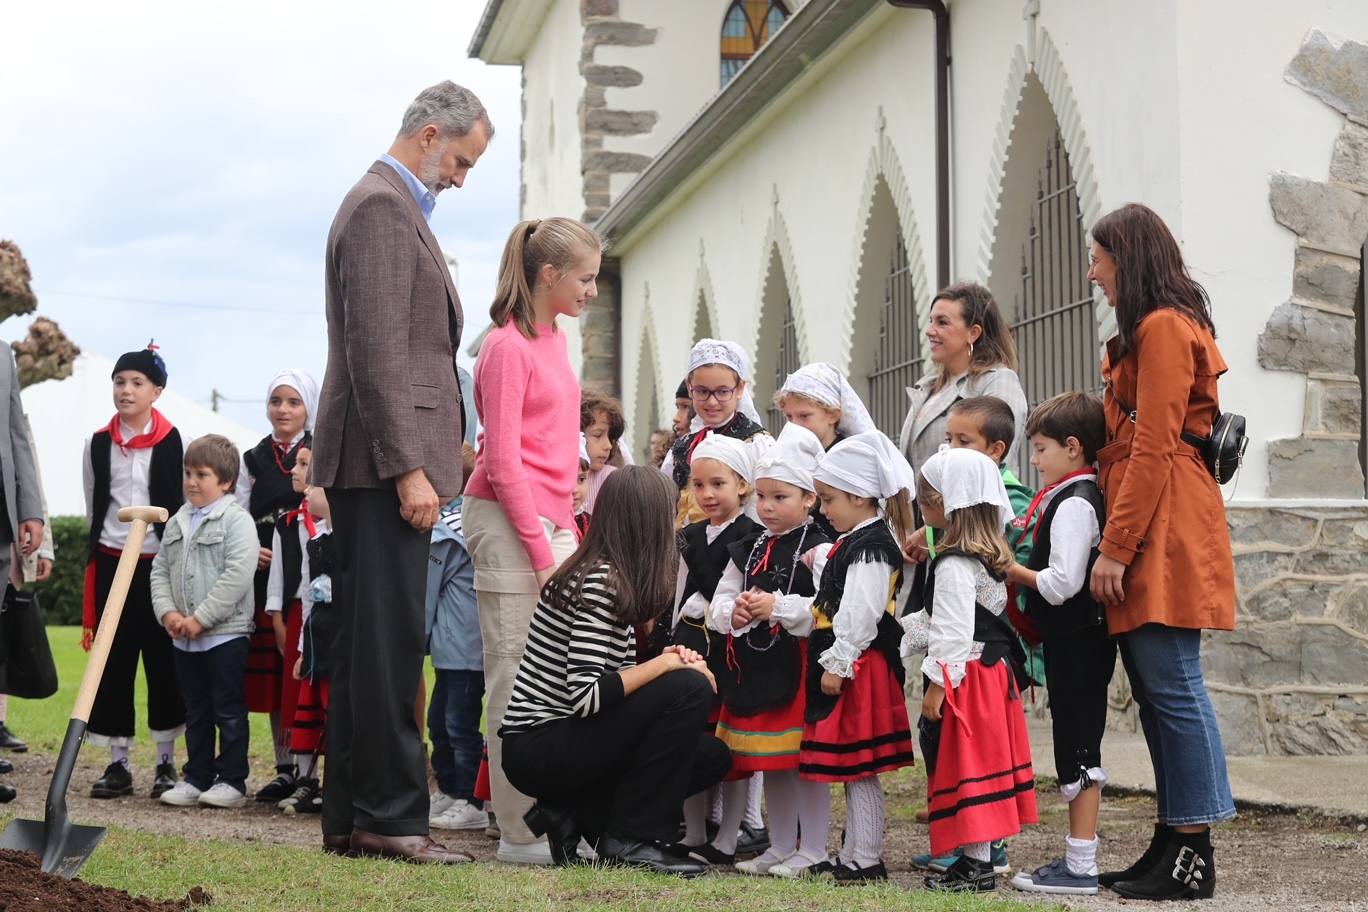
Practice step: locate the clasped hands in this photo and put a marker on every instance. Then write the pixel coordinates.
(752, 605)
(181, 627)
(675, 658)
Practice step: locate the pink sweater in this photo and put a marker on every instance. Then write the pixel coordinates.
(528, 400)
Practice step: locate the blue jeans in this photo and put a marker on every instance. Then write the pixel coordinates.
(212, 684)
(1164, 665)
(454, 727)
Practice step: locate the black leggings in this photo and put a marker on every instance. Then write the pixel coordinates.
(1078, 670)
(628, 769)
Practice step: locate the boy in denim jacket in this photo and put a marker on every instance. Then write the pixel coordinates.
(202, 594)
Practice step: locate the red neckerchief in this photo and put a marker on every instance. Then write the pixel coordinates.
(302, 512)
(763, 563)
(160, 429)
(836, 547)
(1025, 521)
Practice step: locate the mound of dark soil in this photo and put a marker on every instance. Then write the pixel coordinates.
(25, 888)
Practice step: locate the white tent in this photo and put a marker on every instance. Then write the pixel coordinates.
(63, 413)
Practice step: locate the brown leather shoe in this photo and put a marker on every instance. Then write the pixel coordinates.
(336, 845)
(416, 849)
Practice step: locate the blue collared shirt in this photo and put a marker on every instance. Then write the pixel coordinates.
(426, 199)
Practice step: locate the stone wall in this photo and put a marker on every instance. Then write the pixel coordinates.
(604, 26)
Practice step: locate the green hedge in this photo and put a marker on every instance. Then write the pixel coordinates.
(62, 595)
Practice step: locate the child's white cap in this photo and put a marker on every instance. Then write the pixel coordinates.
(302, 382)
(867, 465)
(729, 451)
(964, 478)
(584, 449)
(793, 458)
(823, 383)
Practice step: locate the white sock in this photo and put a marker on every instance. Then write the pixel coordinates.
(733, 810)
(166, 752)
(1081, 856)
(781, 801)
(119, 755)
(696, 818)
(754, 818)
(305, 764)
(979, 851)
(814, 819)
(715, 804)
(865, 821)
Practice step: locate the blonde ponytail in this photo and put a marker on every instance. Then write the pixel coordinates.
(898, 512)
(534, 243)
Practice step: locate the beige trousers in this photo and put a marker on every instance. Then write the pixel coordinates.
(506, 592)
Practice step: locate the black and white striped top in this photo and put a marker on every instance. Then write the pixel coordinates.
(570, 665)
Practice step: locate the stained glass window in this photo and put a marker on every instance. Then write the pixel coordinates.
(746, 27)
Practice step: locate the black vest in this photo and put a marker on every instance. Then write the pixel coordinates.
(873, 543)
(994, 631)
(292, 560)
(315, 640)
(764, 668)
(1082, 611)
(740, 427)
(704, 563)
(165, 485)
(273, 494)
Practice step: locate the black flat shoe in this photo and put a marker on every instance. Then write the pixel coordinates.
(5, 767)
(850, 875)
(116, 782)
(10, 741)
(165, 781)
(706, 853)
(1185, 870)
(7, 794)
(279, 788)
(636, 853)
(561, 829)
(1147, 860)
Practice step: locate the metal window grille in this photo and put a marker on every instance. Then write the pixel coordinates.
(786, 362)
(1055, 325)
(747, 25)
(898, 364)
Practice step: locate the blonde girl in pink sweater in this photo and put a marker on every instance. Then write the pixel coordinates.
(517, 513)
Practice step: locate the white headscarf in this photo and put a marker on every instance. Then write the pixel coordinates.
(965, 477)
(823, 383)
(729, 451)
(301, 382)
(727, 354)
(793, 458)
(584, 449)
(867, 465)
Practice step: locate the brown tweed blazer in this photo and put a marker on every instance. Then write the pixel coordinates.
(390, 401)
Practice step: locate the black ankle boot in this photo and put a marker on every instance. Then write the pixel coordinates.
(561, 829)
(1185, 870)
(1148, 860)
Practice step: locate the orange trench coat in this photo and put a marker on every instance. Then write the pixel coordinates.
(1165, 516)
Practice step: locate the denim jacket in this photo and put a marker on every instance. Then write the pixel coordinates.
(208, 577)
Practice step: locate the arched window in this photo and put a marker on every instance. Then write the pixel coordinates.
(746, 27)
(898, 358)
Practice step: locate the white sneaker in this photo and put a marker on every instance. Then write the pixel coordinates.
(223, 795)
(529, 853)
(760, 864)
(438, 802)
(460, 815)
(182, 794)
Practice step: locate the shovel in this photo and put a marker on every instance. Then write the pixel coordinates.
(64, 846)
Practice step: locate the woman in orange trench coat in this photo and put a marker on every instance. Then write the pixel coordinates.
(1165, 571)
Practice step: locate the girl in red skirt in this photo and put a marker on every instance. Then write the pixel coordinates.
(764, 605)
(856, 720)
(721, 475)
(973, 728)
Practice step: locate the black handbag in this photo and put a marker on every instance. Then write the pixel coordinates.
(29, 671)
(1222, 450)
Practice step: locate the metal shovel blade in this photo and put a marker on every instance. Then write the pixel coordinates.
(64, 851)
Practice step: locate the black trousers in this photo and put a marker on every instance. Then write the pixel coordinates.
(376, 772)
(138, 634)
(213, 685)
(628, 769)
(1078, 670)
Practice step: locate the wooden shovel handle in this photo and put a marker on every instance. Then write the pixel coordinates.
(113, 609)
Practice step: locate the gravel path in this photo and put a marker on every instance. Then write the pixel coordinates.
(1266, 860)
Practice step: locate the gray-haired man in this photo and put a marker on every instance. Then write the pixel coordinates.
(387, 448)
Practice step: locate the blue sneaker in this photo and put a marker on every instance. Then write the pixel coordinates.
(999, 858)
(1056, 877)
(940, 865)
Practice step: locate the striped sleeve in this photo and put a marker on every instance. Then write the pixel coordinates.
(598, 647)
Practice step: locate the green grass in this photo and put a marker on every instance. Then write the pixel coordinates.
(257, 877)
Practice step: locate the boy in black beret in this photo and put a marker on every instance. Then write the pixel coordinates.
(134, 460)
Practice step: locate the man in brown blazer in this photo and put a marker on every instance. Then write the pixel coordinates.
(387, 448)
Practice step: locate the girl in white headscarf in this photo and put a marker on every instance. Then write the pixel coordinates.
(973, 729)
(821, 399)
(718, 382)
(856, 723)
(264, 488)
(721, 481)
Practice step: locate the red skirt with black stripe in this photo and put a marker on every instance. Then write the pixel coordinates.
(310, 717)
(264, 666)
(982, 788)
(867, 733)
(769, 740)
(289, 687)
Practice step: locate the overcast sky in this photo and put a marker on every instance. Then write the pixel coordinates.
(188, 160)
